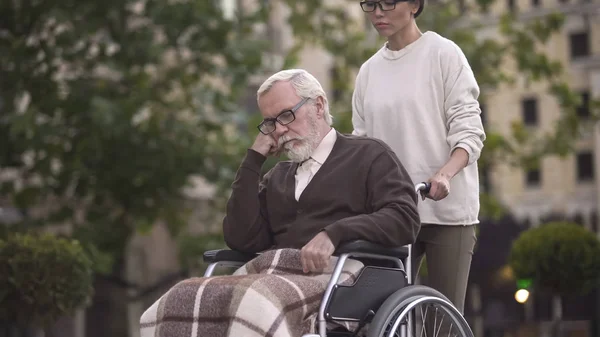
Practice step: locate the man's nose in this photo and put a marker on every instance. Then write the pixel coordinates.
(280, 130)
(378, 11)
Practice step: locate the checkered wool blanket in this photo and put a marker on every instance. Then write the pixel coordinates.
(269, 296)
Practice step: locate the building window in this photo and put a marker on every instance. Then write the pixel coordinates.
(585, 166)
(583, 110)
(580, 44)
(535, 3)
(529, 109)
(511, 5)
(533, 177)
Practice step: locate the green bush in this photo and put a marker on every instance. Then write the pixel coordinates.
(559, 257)
(43, 277)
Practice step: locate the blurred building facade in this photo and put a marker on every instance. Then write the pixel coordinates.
(560, 187)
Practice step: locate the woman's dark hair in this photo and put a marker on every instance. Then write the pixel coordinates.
(421, 5)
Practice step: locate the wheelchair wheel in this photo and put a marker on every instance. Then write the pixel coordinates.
(418, 311)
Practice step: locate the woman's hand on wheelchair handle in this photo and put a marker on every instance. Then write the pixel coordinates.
(316, 253)
(440, 187)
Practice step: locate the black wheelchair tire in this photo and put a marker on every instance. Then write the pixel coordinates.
(400, 299)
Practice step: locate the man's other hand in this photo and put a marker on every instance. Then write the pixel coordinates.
(266, 145)
(315, 254)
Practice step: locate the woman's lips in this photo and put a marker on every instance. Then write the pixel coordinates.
(381, 25)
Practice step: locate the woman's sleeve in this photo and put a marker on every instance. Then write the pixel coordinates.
(358, 114)
(463, 114)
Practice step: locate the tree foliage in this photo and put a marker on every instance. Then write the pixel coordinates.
(559, 257)
(107, 109)
(43, 278)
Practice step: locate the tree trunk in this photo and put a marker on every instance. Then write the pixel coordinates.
(529, 306)
(476, 304)
(107, 316)
(556, 316)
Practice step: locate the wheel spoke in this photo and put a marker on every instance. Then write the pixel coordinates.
(423, 321)
(403, 312)
(430, 326)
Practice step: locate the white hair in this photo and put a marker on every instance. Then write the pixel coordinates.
(305, 85)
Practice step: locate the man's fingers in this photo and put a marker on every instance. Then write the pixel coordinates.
(318, 263)
(310, 264)
(303, 260)
(322, 258)
(315, 255)
(323, 261)
(274, 150)
(308, 258)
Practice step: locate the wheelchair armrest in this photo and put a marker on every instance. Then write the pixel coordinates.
(362, 246)
(219, 255)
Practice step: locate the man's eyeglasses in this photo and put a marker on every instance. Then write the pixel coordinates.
(284, 118)
(370, 6)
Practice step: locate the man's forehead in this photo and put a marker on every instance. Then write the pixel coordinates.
(281, 97)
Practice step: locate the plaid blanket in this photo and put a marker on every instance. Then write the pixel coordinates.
(269, 296)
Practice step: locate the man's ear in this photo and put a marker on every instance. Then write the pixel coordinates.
(320, 107)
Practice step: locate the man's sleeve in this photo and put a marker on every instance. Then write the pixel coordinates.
(246, 223)
(394, 217)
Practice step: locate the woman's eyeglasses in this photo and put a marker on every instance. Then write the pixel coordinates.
(370, 6)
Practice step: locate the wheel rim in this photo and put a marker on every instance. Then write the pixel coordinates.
(450, 324)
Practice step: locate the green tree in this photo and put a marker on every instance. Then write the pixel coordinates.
(108, 107)
(43, 278)
(560, 259)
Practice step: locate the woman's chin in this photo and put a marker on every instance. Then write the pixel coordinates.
(385, 33)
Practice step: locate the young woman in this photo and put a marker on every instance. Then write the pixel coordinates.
(419, 95)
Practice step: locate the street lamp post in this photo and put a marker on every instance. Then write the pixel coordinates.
(522, 296)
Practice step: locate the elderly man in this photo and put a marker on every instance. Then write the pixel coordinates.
(335, 188)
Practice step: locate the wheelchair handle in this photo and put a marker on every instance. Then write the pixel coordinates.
(423, 187)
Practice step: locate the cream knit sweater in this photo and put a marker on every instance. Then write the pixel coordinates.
(422, 101)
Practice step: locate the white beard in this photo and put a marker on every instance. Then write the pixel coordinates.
(302, 147)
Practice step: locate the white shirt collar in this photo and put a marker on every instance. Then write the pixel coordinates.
(324, 149)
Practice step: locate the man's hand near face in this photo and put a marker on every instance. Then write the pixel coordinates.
(315, 254)
(266, 145)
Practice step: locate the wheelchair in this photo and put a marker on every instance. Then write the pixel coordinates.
(382, 295)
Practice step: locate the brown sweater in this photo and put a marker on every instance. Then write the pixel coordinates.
(361, 192)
